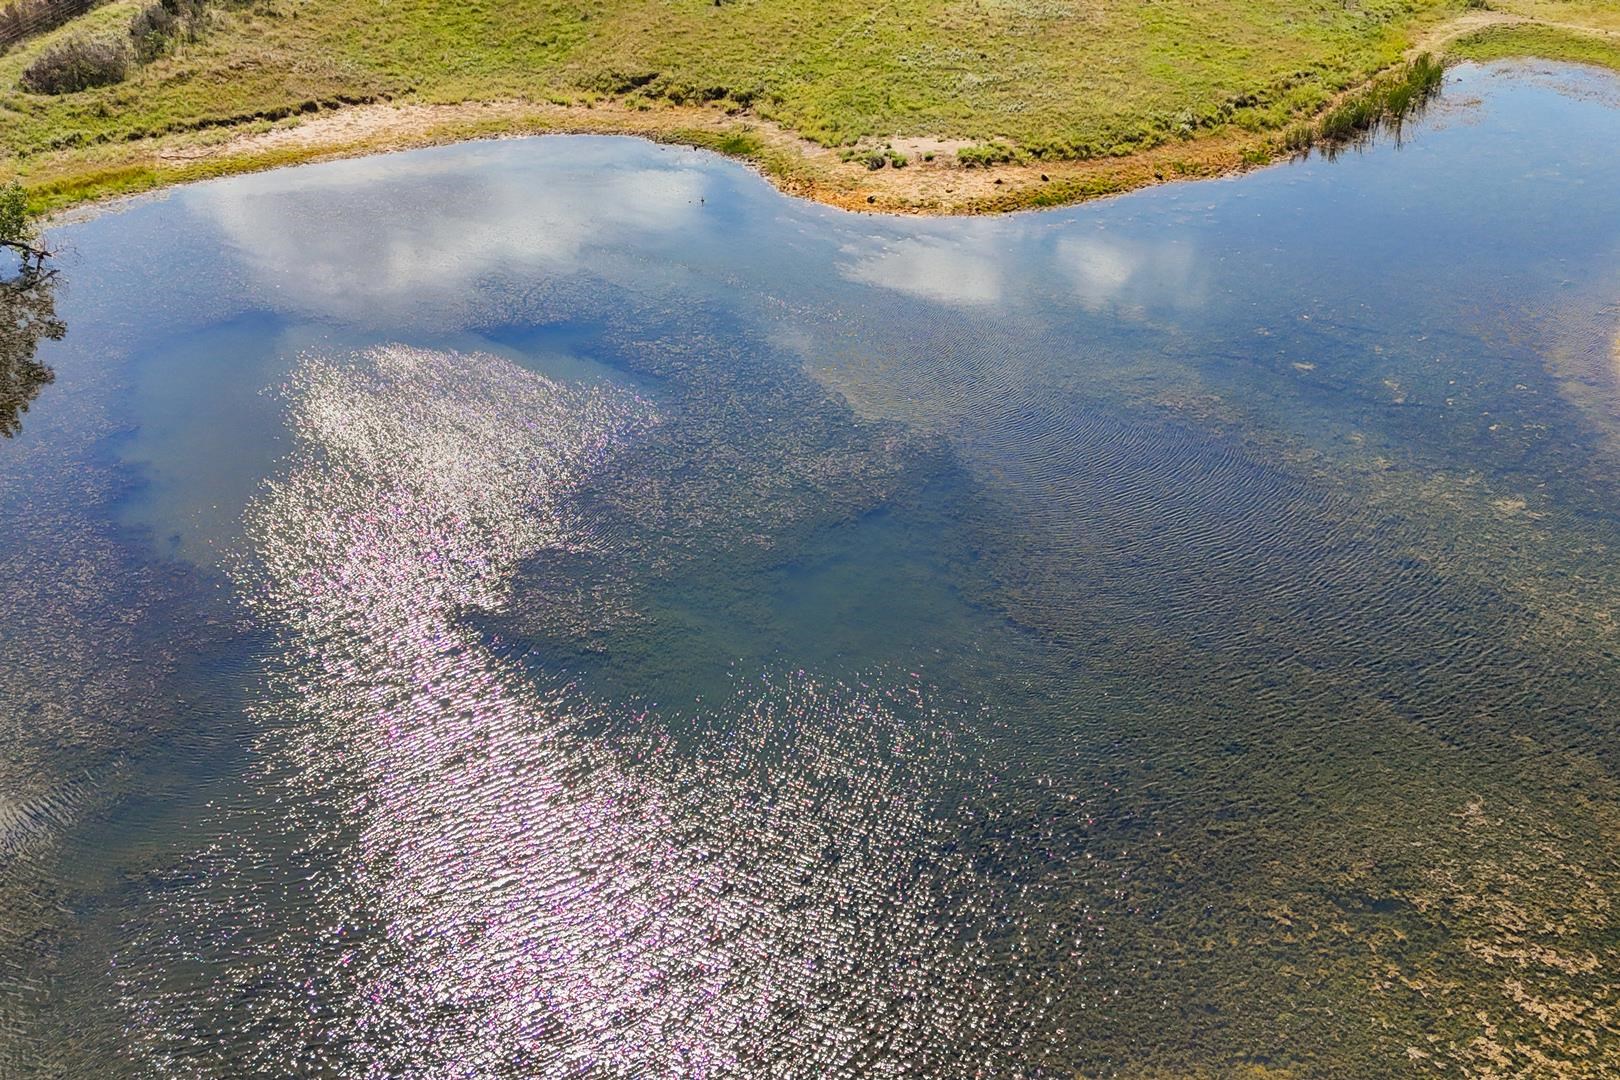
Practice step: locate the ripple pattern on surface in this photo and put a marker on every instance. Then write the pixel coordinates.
(490, 890)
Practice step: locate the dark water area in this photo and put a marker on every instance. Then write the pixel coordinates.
(559, 607)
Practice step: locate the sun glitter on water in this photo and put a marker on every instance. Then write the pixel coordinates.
(506, 892)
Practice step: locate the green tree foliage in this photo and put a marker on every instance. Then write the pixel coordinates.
(16, 223)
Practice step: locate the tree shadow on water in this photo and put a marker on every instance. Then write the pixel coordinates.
(27, 315)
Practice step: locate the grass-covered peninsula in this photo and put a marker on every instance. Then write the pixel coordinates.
(945, 105)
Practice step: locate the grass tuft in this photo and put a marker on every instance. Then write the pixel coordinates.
(992, 153)
(1387, 100)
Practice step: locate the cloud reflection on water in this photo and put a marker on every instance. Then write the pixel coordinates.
(1012, 264)
(426, 228)
(932, 268)
(1125, 274)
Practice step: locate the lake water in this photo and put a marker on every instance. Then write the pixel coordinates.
(559, 607)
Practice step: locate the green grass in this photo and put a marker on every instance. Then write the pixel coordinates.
(995, 153)
(1021, 80)
(1386, 99)
(1052, 77)
(1547, 42)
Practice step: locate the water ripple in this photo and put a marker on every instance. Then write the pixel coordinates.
(489, 889)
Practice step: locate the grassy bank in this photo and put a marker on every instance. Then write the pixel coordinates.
(1385, 100)
(1545, 42)
(1063, 98)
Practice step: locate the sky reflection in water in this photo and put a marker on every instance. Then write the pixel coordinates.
(558, 607)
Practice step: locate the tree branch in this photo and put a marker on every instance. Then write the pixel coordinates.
(27, 250)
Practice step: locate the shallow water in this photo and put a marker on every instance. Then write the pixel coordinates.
(560, 608)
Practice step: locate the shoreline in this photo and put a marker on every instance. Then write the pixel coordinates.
(933, 183)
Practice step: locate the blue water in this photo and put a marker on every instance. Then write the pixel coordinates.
(558, 607)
